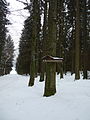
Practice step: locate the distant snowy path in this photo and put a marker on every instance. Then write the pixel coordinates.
(20, 102)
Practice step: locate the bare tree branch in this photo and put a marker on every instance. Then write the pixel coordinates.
(25, 3)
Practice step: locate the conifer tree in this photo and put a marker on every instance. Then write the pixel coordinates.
(35, 40)
(84, 37)
(50, 82)
(3, 21)
(44, 38)
(24, 58)
(77, 41)
(7, 56)
(60, 34)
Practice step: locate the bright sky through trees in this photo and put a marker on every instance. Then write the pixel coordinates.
(16, 17)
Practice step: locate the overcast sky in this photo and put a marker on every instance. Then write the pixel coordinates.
(17, 19)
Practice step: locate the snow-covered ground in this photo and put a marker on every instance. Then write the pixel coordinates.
(20, 102)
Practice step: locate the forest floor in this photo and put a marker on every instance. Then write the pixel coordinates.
(20, 102)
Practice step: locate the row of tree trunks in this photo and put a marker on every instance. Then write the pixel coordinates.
(50, 40)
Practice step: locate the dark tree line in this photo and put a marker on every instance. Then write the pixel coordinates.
(65, 33)
(7, 56)
(3, 22)
(6, 43)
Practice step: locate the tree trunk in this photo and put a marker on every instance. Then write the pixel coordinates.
(73, 51)
(77, 41)
(33, 45)
(50, 82)
(60, 35)
(85, 41)
(44, 44)
(32, 69)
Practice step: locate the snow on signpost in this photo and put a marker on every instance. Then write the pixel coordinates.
(52, 59)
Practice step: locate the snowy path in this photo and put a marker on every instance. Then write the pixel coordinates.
(19, 102)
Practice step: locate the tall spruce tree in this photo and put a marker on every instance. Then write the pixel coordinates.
(7, 56)
(84, 37)
(3, 22)
(50, 82)
(44, 44)
(60, 34)
(70, 35)
(35, 39)
(29, 44)
(88, 32)
(77, 41)
(24, 58)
